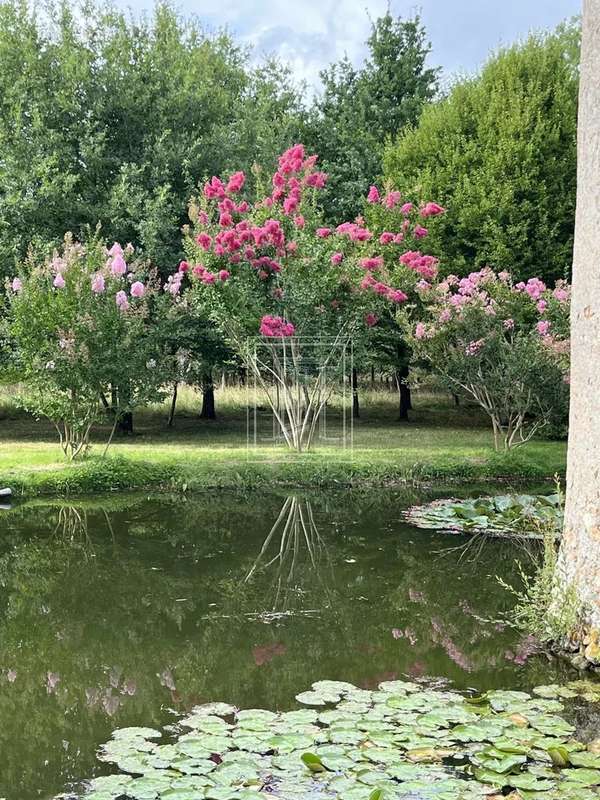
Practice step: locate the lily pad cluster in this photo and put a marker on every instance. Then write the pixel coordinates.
(403, 741)
(519, 514)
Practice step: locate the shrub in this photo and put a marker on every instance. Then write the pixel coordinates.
(81, 327)
(504, 346)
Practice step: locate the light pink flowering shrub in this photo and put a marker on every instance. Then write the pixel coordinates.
(504, 346)
(80, 327)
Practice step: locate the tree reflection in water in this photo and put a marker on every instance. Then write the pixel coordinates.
(298, 547)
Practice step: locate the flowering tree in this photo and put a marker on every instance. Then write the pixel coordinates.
(80, 328)
(505, 346)
(271, 269)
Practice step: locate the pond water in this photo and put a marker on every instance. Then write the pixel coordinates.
(130, 609)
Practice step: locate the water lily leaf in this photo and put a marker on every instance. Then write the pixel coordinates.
(317, 698)
(529, 781)
(313, 762)
(421, 755)
(586, 777)
(585, 760)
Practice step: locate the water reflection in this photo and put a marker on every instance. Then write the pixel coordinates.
(298, 547)
(124, 611)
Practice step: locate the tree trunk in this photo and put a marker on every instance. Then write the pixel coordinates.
(404, 404)
(125, 426)
(173, 405)
(579, 558)
(208, 397)
(355, 403)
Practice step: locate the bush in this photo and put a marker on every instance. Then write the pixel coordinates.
(81, 328)
(504, 346)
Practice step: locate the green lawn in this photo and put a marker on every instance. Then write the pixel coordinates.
(441, 442)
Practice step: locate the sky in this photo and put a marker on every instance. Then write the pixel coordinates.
(309, 34)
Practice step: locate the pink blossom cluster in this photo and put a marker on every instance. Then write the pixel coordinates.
(276, 327)
(534, 287)
(394, 295)
(294, 173)
(426, 266)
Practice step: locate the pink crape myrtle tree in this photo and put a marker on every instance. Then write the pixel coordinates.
(81, 328)
(503, 345)
(268, 272)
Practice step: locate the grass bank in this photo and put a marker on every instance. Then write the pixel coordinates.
(441, 443)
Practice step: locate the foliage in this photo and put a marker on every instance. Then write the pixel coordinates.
(81, 328)
(500, 153)
(504, 346)
(112, 119)
(359, 109)
(271, 267)
(399, 741)
(517, 515)
(544, 607)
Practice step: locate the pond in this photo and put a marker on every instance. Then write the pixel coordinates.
(130, 610)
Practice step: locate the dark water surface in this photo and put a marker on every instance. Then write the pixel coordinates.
(128, 609)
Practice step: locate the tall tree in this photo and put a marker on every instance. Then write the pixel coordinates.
(499, 152)
(359, 108)
(115, 119)
(579, 560)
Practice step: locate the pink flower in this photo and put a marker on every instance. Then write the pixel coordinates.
(225, 220)
(371, 264)
(59, 282)
(406, 208)
(420, 331)
(474, 347)
(138, 289)
(420, 232)
(337, 258)
(214, 189)
(504, 276)
(204, 240)
(118, 266)
(208, 277)
(373, 196)
(236, 182)
(541, 306)
(317, 180)
(323, 233)
(508, 324)
(397, 296)
(431, 209)
(423, 285)
(392, 199)
(16, 285)
(561, 294)
(371, 319)
(445, 315)
(184, 266)
(386, 238)
(299, 221)
(534, 288)
(122, 301)
(115, 250)
(98, 283)
(224, 275)
(290, 204)
(276, 326)
(543, 327)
